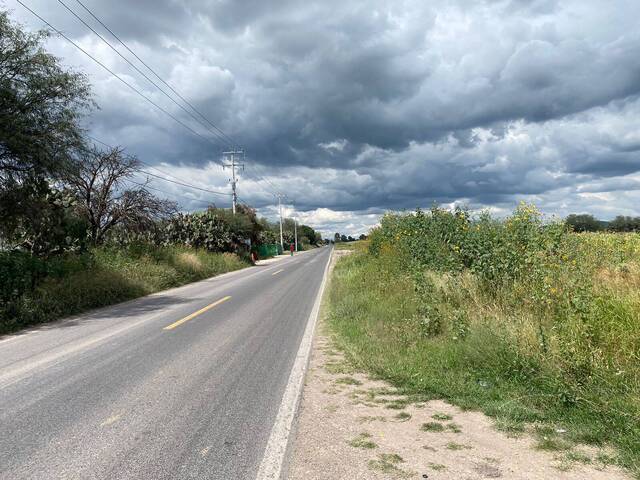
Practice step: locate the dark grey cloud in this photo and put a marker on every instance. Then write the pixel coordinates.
(362, 106)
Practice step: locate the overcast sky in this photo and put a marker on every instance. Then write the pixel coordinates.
(353, 108)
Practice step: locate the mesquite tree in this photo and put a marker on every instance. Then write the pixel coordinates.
(105, 197)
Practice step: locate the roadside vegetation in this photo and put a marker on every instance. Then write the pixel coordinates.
(72, 283)
(81, 226)
(521, 318)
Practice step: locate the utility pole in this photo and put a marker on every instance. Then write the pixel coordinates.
(295, 220)
(280, 197)
(232, 157)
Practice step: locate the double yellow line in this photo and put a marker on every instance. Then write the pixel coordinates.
(195, 314)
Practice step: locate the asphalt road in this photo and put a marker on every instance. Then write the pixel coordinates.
(144, 389)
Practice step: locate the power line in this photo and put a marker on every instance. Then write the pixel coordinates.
(153, 71)
(141, 161)
(146, 185)
(116, 75)
(264, 178)
(218, 135)
(178, 181)
(133, 88)
(185, 184)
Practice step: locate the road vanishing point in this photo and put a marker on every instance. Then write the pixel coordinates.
(193, 382)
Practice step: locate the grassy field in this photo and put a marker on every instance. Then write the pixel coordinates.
(536, 326)
(104, 276)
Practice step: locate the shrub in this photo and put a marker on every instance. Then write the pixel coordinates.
(519, 316)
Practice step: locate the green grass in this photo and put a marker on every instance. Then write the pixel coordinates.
(579, 372)
(106, 276)
(432, 427)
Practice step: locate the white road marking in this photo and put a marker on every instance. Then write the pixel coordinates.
(273, 461)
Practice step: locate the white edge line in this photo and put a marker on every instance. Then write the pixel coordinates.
(275, 454)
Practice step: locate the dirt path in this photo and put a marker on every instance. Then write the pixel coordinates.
(352, 427)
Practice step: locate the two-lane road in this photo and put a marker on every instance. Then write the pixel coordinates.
(186, 383)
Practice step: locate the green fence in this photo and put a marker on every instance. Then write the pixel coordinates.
(268, 250)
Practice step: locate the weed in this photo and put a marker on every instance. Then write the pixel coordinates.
(454, 427)
(580, 457)
(437, 466)
(432, 427)
(441, 416)
(348, 381)
(457, 446)
(511, 427)
(402, 416)
(387, 463)
(362, 441)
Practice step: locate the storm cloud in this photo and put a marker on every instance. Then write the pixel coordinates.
(353, 108)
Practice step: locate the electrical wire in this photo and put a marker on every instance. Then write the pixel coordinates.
(154, 72)
(218, 135)
(178, 181)
(185, 184)
(115, 74)
(170, 195)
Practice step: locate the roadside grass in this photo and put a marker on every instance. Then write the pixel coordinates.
(105, 276)
(363, 441)
(357, 246)
(575, 379)
(388, 463)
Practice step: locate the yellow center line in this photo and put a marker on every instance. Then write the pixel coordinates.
(195, 314)
(275, 273)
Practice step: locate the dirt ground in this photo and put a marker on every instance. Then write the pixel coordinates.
(353, 427)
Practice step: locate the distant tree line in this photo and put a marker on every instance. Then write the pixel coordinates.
(588, 223)
(338, 237)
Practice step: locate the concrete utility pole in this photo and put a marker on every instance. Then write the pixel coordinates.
(280, 197)
(232, 156)
(295, 220)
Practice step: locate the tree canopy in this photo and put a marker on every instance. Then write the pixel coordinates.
(41, 105)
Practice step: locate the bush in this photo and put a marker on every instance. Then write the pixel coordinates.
(485, 312)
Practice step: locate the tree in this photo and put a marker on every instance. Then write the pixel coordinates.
(41, 104)
(583, 223)
(625, 224)
(337, 238)
(308, 235)
(244, 225)
(97, 182)
(362, 236)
